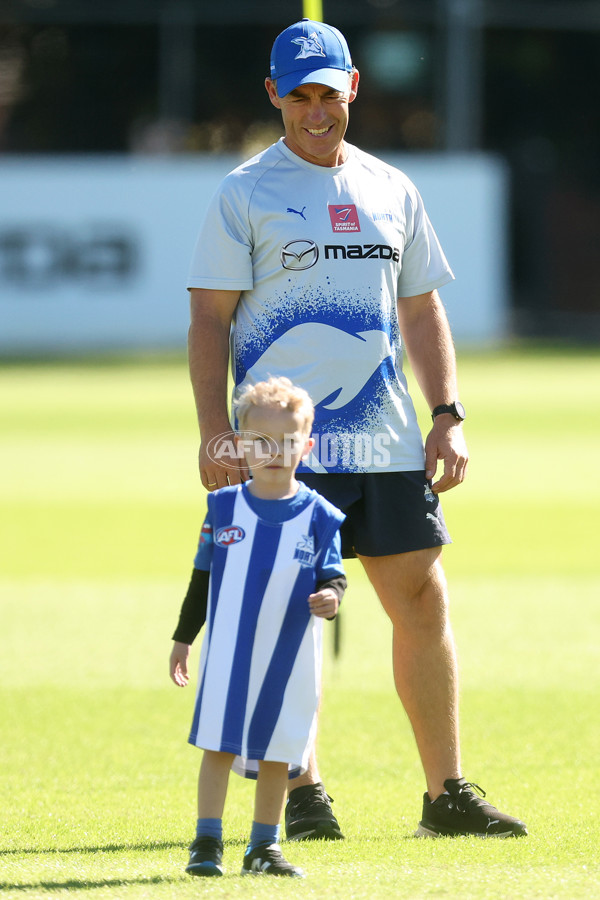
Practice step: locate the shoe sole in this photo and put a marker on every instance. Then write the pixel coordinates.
(424, 832)
(205, 870)
(273, 874)
(317, 834)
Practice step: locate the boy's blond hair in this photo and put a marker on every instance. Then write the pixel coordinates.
(275, 393)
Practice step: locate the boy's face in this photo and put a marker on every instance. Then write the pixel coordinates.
(274, 442)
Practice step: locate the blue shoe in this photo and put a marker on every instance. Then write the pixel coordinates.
(206, 854)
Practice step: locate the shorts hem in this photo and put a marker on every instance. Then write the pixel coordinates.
(405, 549)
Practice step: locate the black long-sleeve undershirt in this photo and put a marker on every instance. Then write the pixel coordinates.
(193, 610)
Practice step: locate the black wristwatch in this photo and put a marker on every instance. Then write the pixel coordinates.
(455, 409)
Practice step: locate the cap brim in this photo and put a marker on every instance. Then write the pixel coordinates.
(338, 79)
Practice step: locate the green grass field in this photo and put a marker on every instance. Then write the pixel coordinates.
(100, 508)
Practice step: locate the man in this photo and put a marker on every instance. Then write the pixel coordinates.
(321, 261)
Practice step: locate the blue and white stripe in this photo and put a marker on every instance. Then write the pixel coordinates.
(260, 665)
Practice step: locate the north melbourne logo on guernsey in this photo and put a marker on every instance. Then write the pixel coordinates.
(305, 551)
(232, 534)
(309, 46)
(344, 218)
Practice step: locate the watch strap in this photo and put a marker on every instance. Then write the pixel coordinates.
(450, 408)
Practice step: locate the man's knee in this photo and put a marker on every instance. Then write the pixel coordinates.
(411, 587)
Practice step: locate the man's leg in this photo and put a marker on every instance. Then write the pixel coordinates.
(311, 776)
(412, 590)
(308, 812)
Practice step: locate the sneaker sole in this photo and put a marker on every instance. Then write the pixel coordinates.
(206, 870)
(424, 832)
(273, 874)
(317, 834)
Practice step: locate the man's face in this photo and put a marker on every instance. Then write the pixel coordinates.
(315, 118)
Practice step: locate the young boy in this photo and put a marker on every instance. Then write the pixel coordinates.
(267, 571)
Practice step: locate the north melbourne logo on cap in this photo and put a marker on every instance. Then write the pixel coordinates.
(309, 46)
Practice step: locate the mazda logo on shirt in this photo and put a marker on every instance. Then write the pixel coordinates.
(298, 255)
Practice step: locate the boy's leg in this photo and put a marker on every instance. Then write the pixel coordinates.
(271, 786)
(206, 852)
(263, 855)
(212, 783)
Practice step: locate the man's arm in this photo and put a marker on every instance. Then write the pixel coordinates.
(430, 348)
(208, 354)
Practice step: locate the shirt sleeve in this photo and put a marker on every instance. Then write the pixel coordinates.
(331, 565)
(193, 610)
(204, 554)
(424, 265)
(222, 257)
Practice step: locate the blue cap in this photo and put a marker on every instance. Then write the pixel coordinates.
(310, 53)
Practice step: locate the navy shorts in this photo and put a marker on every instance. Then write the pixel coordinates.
(386, 512)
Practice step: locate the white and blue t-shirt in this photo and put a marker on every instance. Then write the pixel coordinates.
(260, 663)
(321, 256)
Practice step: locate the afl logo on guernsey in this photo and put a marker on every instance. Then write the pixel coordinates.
(232, 534)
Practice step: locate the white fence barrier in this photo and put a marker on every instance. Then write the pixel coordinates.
(94, 251)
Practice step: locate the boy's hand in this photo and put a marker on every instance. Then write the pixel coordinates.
(324, 603)
(178, 669)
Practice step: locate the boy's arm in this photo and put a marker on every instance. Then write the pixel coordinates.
(193, 610)
(338, 584)
(191, 619)
(326, 600)
(178, 664)
(331, 580)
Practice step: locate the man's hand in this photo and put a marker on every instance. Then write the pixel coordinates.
(324, 603)
(178, 663)
(219, 462)
(446, 442)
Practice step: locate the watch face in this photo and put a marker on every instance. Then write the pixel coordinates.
(460, 410)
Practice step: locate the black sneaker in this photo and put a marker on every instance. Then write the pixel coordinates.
(206, 854)
(267, 859)
(308, 815)
(461, 811)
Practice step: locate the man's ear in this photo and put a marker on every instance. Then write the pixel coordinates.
(354, 85)
(271, 87)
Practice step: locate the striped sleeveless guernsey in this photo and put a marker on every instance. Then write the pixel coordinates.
(260, 664)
